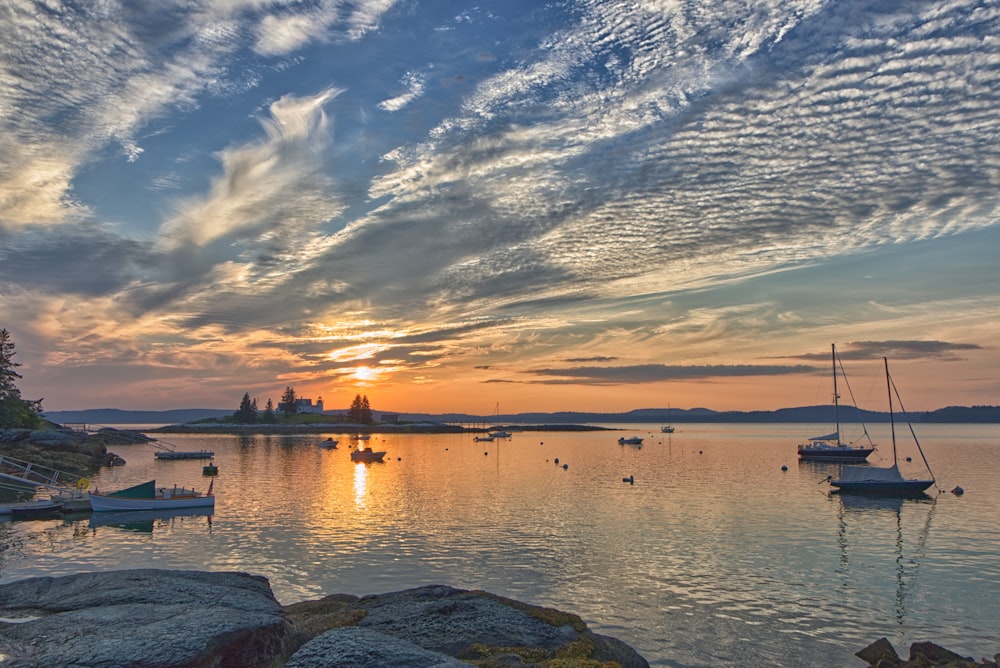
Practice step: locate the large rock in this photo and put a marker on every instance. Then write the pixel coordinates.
(192, 619)
(142, 618)
(881, 654)
(471, 626)
(352, 647)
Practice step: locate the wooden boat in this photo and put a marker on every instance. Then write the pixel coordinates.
(31, 509)
(880, 481)
(147, 496)
(829, 447)
(367, 455)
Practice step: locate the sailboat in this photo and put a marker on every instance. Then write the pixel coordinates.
(667, 428)
(829, 447)
(497, 432)
(878, 481)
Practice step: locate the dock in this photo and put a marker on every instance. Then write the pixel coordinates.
(184, 454)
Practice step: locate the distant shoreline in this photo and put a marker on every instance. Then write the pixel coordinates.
(804, 414)
(345, 428)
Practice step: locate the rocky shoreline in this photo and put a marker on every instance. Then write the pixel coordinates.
(66, 450)
(197, 619)
(881, 654)
(153, 618)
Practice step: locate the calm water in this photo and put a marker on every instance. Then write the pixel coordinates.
(713, 557)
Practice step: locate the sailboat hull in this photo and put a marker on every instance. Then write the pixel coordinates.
(903, 488)
(833, 453)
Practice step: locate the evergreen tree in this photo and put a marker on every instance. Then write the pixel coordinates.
(354, 414)
(247, 412)
(366, 411)
(14, 411)
(268, 411)
(287, 405)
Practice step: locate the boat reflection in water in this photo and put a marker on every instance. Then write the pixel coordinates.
(144, 521)
(882, 529)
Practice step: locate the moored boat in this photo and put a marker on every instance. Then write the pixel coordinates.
(328, 444)
(879, 481)
(147, 496)
(633, 440)
(32, 509)
(367, 455)
(667, 428)
(829, 447)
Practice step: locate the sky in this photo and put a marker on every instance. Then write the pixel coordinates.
(500, 206)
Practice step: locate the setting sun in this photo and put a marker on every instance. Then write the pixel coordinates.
(365, 374)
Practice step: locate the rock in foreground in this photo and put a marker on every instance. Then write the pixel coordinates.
(881, 654)
(166, 619)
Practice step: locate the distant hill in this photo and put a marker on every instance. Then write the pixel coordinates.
(804, 414)
(102, 416)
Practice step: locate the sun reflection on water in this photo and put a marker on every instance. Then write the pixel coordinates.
(360, 485)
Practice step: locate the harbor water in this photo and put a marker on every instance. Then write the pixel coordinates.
(696, 548)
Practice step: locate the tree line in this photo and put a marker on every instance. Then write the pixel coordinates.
(248, 412)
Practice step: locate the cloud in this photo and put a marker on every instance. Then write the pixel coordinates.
(414, 84)
(285, 32)
(900, 350)
(617, 178)
(267, 184)
(652, 373)
(82, 260)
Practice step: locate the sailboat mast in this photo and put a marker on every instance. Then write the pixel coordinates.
(892, 423)
(836, 395)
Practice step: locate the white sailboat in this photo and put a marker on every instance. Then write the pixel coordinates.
(667, 428)
(878, 481)
(497, 432)
(829, 447)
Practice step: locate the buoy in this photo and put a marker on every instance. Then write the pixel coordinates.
(557, 460)
(909, 459)
(565, 466)
(399, 459)
(958, 491)
(630, 480)
(486, 453)
(700, 452)
(784, 468)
